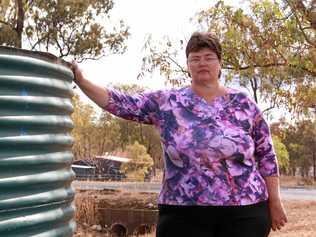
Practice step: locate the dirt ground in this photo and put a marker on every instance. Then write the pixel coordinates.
(301, 219)
(301, 214)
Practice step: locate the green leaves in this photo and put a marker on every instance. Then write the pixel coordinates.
(270, 42)
(81, 28)
(282, 154)
(300, 140)
(140, 163)
(8, 36)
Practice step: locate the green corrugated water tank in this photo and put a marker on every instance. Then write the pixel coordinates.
(36, 198)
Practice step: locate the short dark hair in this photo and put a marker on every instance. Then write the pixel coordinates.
(200, 40)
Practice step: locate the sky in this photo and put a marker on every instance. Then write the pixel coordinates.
(157, 17)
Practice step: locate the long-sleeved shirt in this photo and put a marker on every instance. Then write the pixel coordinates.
(215, 153)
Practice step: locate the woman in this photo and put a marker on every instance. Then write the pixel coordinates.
(221, 173)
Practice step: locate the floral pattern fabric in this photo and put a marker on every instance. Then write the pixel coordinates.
(215, 153)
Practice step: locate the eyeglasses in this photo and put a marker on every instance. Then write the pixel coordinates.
(198, 60)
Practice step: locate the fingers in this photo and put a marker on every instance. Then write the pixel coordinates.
(75, 69)
(278, 216)
(74, 63)
(74, 66)
(274, 227)
(285, 218)
(278, 224)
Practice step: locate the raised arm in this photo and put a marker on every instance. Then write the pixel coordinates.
(96, 93)
(140, 107)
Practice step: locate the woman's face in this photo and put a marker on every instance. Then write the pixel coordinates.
(204, 66)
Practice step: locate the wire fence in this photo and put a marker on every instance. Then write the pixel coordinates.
(103, 177)
(152, 187)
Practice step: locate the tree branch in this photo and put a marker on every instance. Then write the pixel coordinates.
(61, 49)
(313, 73)
(300, 26)
(20, 22)
(267, 109)
(29, 5)
(255, 88)
(255, 66)
(47, 41)
(185, 73)
(272, 106)
(274, 99)
(36, 43)
(6, 23)
(88, 58)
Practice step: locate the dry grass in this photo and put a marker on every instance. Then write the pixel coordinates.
(301, 214)
(88, 202)
(86, 209)
(290, 181)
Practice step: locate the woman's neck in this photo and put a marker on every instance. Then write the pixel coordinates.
(209, 91)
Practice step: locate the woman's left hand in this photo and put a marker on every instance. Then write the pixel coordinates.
(278, 215)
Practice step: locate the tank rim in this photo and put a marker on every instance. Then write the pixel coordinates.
(35, 54)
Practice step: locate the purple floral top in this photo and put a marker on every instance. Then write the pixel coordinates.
(214, 154)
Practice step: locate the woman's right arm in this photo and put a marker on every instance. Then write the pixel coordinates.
(139, 107)
(96, 93)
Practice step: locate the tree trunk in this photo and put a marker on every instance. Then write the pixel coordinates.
(19, 23)
(314, 164)
(254, 87)
(313, 22)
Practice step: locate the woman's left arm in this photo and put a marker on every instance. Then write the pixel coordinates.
(278, 215)
(268, 167)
